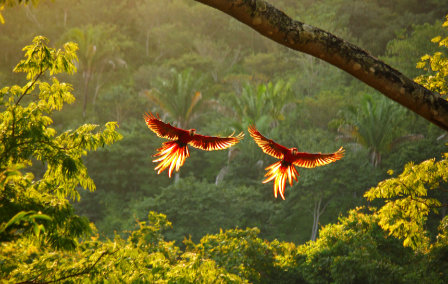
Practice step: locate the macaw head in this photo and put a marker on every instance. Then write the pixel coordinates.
(294, 151)
(191, 132)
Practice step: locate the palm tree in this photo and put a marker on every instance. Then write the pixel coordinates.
(375, 125)
(260, 103)
(99, 47)
(178, 97)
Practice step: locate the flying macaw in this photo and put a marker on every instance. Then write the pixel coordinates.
(289, 158)
(173, 153)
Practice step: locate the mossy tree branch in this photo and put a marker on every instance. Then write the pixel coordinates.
(276, 25)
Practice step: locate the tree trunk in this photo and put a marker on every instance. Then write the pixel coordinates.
(219, 178)
(176, 177)
(315, 219)
(86, 93)
(276, 25)
(317, 212)
(98, 86)
(147, 43)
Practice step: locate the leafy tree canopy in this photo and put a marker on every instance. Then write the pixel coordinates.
(437, 65)
(32, 203)
(409, 200)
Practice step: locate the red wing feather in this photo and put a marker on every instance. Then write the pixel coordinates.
(279, 172)
(267, 145)
(162, 129)
(171, 156)
(210, 143)
(308, 160)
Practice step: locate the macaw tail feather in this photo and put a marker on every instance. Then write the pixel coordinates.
(279, 172)
(171, 155)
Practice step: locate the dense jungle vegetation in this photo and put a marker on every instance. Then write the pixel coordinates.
(80, 200)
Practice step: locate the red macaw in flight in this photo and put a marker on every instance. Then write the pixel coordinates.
(173, 153)
(289, 158)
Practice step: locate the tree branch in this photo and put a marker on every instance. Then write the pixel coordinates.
(32, 84)
(84, 271)
(276, 25)
(325, 207)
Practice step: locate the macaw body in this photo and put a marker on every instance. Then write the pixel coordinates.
(289, 158)
(173, 153)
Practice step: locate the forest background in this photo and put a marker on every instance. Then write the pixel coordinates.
(199, 68)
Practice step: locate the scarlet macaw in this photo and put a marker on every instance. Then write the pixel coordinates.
(289, 158)
(173, 153)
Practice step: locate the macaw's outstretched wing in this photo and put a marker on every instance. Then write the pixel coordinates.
(162, 129)
(308, 160)
(267, 145)
(210, 143)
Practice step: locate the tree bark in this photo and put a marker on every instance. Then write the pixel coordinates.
(86, 76)
(315, 219)
(317, 212)
(276, 25)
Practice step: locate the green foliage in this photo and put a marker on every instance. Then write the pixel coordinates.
(100, 52)
(123, 174)
(372, 23)
(241, 252)
(314, 110)
(30, 217)
(438, 255)
(119, 103)
(322, 194)
(260, 103)
(11, 3)
(143, 257)
(187, 86)
(408, 200)
(40, 58)
(206, 207)
(403, 51)
(353, 251)
(375, 126)
(242, 78)
(356, 250)
(40, 206)
(437, 67)
(149, 236)
(125, 60)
